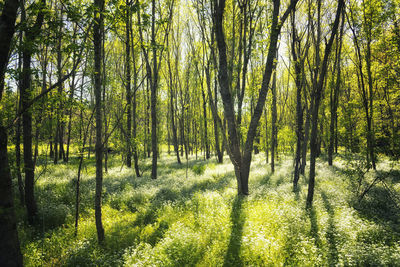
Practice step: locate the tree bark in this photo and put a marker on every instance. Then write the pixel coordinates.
(134, 132)
(97, 40)
(335, 95)
(299, 109)
(153, 100)
(7, 29)
(128, 86)
(273, 121)
(10, 253)
(205, 124)
(172, 105)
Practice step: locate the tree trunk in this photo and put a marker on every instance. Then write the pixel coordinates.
(10, 253)
(154, 86)
(273, 125)
(71, 97)
(134, 132)
(128, 86)
(97, 40)
(335, 96)
(26, 95)
(266, 137)
(214, 112)
(7, 29)
(299, 109)
(317, 93)
(60, 110)
(205, 124)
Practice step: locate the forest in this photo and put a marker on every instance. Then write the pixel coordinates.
(199, 133)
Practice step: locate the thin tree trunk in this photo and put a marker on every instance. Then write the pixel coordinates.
(128, 86)
(266, 137)
(304, 147)
(335, 95)
(78, 180)
(273, 125)
(154, 86)
(26, 92)
(71, 96)
(205, 124)
(18, 126)
(97, 40)
(317, 93)
(172, 105)
(299, 109)
(134, 123)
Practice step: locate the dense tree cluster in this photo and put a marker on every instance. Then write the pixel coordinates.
(197, 77)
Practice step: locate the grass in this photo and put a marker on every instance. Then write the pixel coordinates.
(199, 220)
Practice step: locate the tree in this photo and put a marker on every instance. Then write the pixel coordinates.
(10, 253)
(334, 93)
(154, 68)
(274, 128)
(298, 55)
(128, 84)
(98, 30)
(31, 33)
(317, 89)
(241, 160)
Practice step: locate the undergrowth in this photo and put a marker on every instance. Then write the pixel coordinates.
(200, 220)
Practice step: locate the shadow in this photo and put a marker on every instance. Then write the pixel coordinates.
(296, 192)
(378, 206)
(279, 181)
(392, 175)
(166, 194)
(331, 232)
(312, 214)
(232, 256)
(266, 180)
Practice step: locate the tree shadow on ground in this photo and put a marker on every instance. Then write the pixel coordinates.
(380, 207)
(232, 256)
(166, 194)
(312, 214)
(331, 232)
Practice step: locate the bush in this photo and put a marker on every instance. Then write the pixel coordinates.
(198, 169)
(53, 215)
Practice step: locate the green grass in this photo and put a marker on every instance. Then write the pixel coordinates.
(198, 220)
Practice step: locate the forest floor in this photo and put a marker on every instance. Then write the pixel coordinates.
(191, 215)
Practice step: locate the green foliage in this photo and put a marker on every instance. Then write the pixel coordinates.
(174, 221)
(199, 169)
